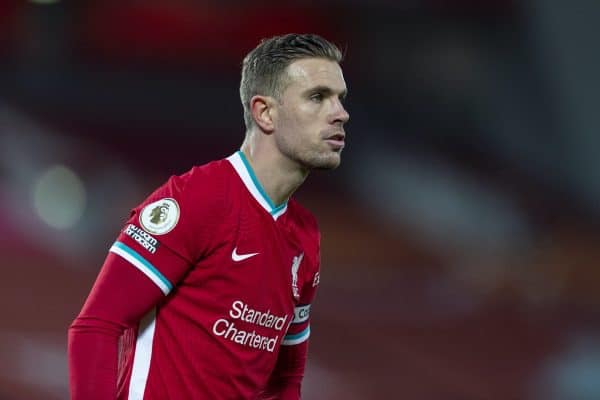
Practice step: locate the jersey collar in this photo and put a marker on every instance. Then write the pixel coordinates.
(244, 170)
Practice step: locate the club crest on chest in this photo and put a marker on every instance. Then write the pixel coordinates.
(295, 266)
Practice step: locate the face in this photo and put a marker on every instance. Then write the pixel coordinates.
(310, 117)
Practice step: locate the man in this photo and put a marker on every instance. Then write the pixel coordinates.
(206, 292)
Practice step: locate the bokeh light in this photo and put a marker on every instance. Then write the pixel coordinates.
(59, 197)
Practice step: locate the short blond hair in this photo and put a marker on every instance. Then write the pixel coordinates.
(263, 67)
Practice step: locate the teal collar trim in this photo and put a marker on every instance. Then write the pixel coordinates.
(246, 173)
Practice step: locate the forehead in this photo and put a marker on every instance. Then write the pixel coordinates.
(311, 72)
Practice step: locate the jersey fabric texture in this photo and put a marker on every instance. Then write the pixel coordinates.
(233, 277)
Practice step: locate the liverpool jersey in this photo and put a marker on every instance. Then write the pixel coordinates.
(237, 275)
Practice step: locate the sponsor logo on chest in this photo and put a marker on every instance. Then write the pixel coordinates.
(246, 335)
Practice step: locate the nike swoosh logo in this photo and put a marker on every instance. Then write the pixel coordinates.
(241, 257)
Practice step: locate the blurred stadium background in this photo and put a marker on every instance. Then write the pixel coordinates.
(460, 235)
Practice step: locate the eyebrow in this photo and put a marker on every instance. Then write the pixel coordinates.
(326, 90)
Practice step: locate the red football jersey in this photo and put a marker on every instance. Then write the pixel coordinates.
(238, 275)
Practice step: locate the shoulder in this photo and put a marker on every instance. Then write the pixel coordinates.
(201, 176)
(302, 217)
(200, 191)
(185, 209)
(201, 184)
(304, 223)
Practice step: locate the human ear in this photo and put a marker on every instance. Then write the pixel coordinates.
(262, 112)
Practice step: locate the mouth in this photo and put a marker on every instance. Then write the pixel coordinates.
(337, 136)
(337, 140)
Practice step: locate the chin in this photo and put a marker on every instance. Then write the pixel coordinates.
(324, 162)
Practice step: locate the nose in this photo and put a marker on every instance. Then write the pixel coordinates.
(339, 114)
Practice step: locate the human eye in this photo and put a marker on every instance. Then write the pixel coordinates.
(317, 97)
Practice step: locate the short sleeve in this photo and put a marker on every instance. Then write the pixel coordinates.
(170, 230)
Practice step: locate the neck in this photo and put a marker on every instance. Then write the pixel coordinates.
(278, 175)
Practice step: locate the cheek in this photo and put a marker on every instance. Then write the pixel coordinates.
(300, 126)
(289, 124)
(305, 112)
